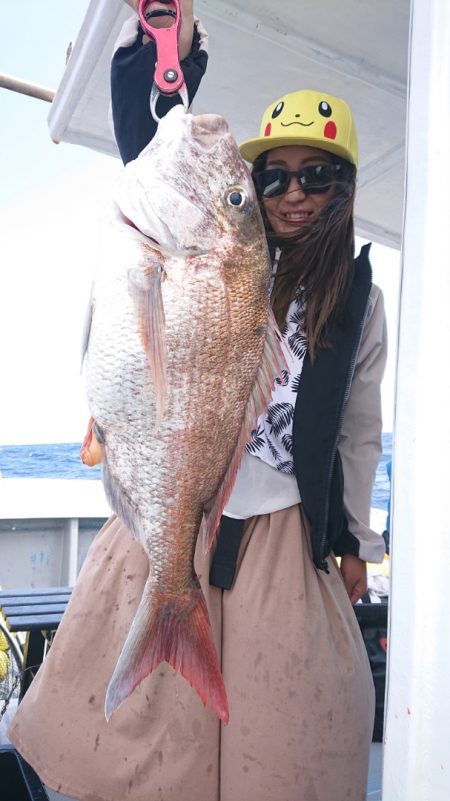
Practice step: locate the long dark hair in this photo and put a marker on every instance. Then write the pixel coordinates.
(319, 259)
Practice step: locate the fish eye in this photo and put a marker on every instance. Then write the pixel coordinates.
(325, 109)
(278, 109)
(236, 197)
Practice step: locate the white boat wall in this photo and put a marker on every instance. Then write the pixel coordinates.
(46, 527)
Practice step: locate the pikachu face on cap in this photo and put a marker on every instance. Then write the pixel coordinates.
(309, 118)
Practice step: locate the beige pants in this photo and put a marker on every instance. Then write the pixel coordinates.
(298, 681)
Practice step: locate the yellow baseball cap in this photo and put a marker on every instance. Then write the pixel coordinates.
(307, 118)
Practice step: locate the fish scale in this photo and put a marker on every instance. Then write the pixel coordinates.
(181, 358)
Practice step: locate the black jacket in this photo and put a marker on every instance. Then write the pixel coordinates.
(319, 411)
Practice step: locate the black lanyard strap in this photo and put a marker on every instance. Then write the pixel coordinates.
(223, 567)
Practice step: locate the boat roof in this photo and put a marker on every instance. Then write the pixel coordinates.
(357, 50)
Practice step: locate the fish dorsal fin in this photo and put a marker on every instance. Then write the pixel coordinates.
(145, 289)
(274, 360)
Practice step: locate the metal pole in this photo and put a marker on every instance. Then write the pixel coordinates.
(26, 88)
(417, 731)
(69, 568)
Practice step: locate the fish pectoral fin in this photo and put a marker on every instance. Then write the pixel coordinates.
(92, 451)
(274, 360)
(176, 629)
(145, 289)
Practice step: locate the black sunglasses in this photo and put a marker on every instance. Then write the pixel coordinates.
(313, 180)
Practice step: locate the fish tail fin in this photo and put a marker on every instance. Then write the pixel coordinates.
(175, 629)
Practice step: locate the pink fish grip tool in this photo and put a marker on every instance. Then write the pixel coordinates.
(168, 79)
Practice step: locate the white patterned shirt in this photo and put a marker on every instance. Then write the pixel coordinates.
(271, 441)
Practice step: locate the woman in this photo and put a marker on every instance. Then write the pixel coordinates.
(294, 665)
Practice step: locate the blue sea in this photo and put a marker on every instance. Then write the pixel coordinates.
(63, 461)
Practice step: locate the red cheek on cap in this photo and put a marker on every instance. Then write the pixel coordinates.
(330, 130)
(268, 129)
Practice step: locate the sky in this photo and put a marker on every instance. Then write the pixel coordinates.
(51, 202)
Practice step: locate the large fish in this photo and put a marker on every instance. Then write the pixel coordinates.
(182, 353)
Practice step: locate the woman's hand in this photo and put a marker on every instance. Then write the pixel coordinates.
(354, 573)
(187, 21)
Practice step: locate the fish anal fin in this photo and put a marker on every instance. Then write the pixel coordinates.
(175, 629)
(274, 360)
(145, 289)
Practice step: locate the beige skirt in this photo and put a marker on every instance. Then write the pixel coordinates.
(296, 672)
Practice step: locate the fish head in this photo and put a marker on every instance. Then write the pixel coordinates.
(189, 190)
